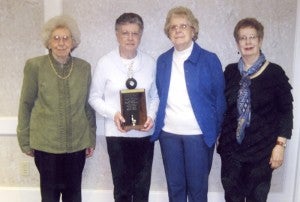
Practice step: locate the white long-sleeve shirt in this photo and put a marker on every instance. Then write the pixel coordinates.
(109, 77)
(180, 118)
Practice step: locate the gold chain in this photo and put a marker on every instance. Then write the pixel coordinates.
(61, 77)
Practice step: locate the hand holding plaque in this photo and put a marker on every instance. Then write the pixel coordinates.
(133, 108)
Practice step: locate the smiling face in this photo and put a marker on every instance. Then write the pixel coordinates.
(181, 32)
(129, 37)
(61, 44)
(249, 44)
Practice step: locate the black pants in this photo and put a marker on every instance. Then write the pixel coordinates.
(131, 164)
(60, 174)
(248, 182)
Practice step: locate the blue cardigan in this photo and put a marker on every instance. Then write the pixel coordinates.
(205, 86)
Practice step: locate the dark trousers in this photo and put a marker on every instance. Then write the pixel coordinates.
(131, 164)
(248, 182)
(187, 162)
(60, 174)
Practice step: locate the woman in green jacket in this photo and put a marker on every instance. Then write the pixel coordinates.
(56, 125)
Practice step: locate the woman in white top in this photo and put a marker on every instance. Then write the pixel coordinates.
(130, 151)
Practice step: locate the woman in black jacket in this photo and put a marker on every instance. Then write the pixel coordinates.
(258, 120)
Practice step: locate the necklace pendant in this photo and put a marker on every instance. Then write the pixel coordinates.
(131, 83)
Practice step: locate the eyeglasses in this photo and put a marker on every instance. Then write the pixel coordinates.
(250, 38)
(174, 28)
(127, 34)
(63, 38)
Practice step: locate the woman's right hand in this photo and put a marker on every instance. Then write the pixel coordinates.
(119, 120)
(30, 153)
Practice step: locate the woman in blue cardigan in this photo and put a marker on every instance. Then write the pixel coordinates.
(190, 85)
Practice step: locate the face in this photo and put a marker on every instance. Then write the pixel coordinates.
(129, 37)
(181, 32)
(61, 43)
(249, 44)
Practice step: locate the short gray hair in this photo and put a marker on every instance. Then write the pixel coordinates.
(61, 21)
(131, 18)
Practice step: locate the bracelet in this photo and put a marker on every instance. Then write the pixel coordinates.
(281, 144)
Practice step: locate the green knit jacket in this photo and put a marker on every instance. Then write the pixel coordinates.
(54, 114)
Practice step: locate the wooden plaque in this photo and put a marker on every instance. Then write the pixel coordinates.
(133, 108)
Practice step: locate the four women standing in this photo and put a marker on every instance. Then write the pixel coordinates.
(56, 124)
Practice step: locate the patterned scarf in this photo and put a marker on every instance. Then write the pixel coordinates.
(244, 98)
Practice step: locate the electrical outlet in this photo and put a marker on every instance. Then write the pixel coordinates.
(24, 168)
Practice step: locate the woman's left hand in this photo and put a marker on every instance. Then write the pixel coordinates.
(148, 124)
(89, 152)
(277, 156)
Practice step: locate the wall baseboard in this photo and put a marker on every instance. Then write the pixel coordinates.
(32, 194)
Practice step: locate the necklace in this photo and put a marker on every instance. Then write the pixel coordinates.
(131, 82)
(61, 77)
(130, 69)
